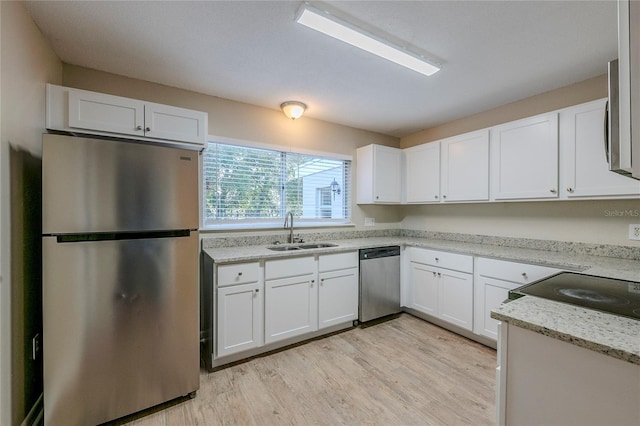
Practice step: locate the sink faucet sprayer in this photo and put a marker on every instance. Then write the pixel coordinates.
(289, 225)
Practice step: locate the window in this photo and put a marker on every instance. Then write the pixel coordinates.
(252, 185)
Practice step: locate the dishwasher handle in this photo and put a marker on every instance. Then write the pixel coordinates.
(378, 252)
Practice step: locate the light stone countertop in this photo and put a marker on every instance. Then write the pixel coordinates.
(605, 333)
(608, 334)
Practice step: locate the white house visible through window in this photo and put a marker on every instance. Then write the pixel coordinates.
(253, 185)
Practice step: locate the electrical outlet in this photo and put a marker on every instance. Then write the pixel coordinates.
(35, 347)
(369, 221)
(634, 232)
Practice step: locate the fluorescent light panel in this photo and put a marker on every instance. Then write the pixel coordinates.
(343, 31)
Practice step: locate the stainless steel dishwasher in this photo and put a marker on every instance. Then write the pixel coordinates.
(379, 282)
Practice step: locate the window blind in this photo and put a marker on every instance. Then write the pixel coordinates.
(246, 184)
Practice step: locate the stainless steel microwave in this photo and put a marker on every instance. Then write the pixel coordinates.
(623, 116)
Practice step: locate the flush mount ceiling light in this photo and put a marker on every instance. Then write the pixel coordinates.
(293, 109)
(339, 29)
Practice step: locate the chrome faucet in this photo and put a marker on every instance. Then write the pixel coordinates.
(289, 225)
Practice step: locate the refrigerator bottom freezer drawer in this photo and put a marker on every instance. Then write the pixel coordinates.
(121, 326)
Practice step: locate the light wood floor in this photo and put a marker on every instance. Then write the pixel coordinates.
(401, 372)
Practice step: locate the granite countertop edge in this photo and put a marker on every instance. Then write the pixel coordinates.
(608, 334)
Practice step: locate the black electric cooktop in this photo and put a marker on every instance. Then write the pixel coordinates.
(610, 295)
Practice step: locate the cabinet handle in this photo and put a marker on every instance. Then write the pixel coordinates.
(257, 290)
(138, 127)
(439, 274)
(239, 274)
(569, 189)
(434, 274)
(437, 259)
(147, 129)
(553, 191)
(436, 197)
(444, 196)
(524, 275)
(377, 197)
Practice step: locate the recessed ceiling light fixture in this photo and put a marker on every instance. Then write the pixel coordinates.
(293, 109)
(339, 29)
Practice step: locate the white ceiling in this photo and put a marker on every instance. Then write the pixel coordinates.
(494, 52)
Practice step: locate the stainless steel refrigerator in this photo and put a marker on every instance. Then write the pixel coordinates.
(120, 277)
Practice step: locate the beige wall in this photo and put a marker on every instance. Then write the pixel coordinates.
(598, 222)
(248, 122)
(27, 64)
(582, 221)
(587, 90)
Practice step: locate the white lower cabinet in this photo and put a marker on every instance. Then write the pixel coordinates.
(291, 307)
(441, 292)
(492, 282)
(306, 294)
(239, 302)
(239, 318)
(338, 297)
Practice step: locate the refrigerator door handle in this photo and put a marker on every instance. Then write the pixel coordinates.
(117, 236)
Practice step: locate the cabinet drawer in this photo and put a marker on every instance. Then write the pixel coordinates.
(334, 262)
(442, 259)
(516, 272)
(283, 268)
(238, 273)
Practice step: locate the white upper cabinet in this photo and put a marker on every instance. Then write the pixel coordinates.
(524, 159)
(379, 171)
(584, 168)
(422, 173)
(82, 111)
(465, 167)
(105, 113)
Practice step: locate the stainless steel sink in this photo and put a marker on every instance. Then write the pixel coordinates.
(283, 248)
(302, 246)
(316, 245)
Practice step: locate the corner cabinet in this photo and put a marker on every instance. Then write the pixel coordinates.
(492, 282)
(82, 111)
(441, 285)
(379, 171)
(524, 159)
(584, 165)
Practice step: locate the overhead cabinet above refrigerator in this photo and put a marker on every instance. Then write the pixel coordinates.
(81, 111)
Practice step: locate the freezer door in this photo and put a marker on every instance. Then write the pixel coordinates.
(96, 185)
(120, 326)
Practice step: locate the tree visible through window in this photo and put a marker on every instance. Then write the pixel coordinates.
(245, 184)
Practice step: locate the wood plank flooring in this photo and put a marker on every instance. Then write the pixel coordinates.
(401, 372)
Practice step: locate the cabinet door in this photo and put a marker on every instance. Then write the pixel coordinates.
(455, 298)
(291, 307)
(239, 318)
(176, 124)
(422, 173)
(338, 297)
(585, 167)
(105, 113)
(465, 167)
(424, 288)
(489, 294)
(387, 173)
(524, 159)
